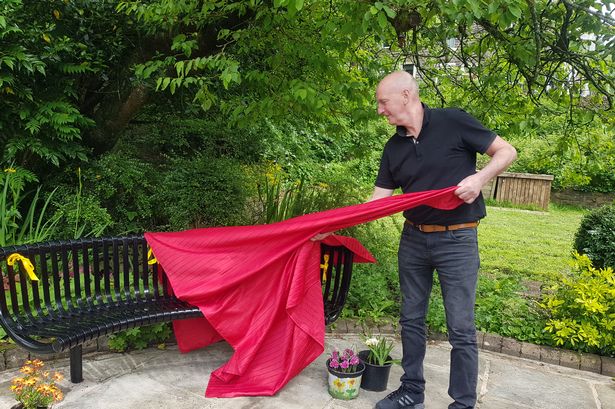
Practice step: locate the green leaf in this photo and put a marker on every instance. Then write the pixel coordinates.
(390, 12)
(179, 68)
(515, 11)
(383, 22)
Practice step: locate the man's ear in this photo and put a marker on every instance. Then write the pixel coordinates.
(406, 94)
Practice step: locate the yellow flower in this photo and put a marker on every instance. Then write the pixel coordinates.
(36, 388)
(28, 370)
(45, 390)
(10, 170)
(29, 382)
(339, 384)
(37, 363)
(351, 382)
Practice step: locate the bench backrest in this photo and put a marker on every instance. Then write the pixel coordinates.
(94, 272)
(76, 274)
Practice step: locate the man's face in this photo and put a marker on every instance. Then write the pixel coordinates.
(391, 104)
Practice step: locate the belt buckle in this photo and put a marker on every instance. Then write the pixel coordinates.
(420, 227)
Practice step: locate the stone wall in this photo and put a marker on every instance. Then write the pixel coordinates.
(584, 199)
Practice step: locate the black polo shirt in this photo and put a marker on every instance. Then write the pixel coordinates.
(443, 155)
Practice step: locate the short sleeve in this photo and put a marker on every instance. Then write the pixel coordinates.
(385, 179)
(473, 134)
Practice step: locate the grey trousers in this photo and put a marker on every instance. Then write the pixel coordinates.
(454, 255)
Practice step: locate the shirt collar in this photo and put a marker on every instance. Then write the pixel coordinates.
(401, 130)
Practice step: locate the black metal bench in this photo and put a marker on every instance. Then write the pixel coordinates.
(80, 290)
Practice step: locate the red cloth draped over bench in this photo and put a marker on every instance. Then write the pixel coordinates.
(259, 289)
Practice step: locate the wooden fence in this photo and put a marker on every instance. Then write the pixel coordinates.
(520, 189)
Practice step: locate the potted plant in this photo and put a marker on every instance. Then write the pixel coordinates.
(345, 370)
(36, 388)
(378, 363)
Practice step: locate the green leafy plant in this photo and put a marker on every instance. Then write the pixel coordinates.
(379, 350)
(582, 308)
(202, 192)
(140, 337)
(280, 200)
(81, 214)
(14, 227)
(596, 236)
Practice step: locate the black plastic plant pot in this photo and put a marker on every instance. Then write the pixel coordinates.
(375, 377)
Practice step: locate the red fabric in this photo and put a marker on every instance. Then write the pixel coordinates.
(259, 289)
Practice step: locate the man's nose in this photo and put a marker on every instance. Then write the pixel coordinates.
(380, 110)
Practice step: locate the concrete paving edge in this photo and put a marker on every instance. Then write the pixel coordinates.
(13, 357)
(493, 342)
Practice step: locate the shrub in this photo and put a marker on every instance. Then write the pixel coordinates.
(203, 192)
(596, 236)
(140, 337)
(80, 214)
(374, 293)
(504, 309)
(126, 186)
(582, 309)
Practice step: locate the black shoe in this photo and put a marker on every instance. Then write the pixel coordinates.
(402, 398)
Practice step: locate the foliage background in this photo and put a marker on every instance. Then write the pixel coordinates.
(125, 116)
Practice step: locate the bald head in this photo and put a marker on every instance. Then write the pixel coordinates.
(398, 100)
(399, 81)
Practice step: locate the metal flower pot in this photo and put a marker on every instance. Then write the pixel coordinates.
(344, 385)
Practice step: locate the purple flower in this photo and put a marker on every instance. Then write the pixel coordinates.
(348, 352)
(344, 365)
(354, 360)
(335, 355)
(334, 363)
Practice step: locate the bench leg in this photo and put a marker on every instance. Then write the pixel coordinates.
(76, 365)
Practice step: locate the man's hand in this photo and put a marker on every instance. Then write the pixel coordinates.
(469, 188)
(502, 154)
(321, 236)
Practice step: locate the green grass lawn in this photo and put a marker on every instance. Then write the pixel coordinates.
(534, 244)
(521, 250)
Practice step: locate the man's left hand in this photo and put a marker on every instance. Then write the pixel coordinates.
(469, 188)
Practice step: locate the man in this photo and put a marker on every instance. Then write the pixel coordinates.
(433, 149)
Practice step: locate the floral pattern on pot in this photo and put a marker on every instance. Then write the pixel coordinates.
(344, 385)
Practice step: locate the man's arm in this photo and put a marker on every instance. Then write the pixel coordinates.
(380, 193)
(502, 155)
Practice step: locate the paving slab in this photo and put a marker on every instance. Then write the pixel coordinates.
(168, 379)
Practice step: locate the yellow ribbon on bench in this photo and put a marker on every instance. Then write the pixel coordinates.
(25, 261)
(151, 259)
(325, 267)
